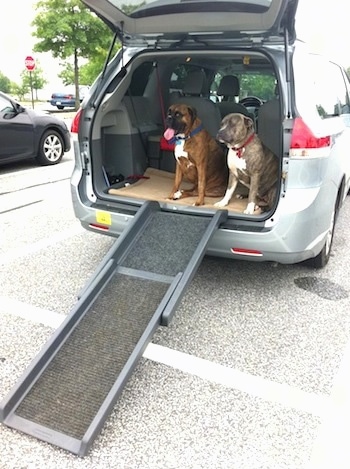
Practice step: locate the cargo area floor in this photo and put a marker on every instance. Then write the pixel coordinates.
(156, 185)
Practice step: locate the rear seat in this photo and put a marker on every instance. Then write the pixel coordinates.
(195, 94)
(126, 133)
(270, 125)
(229, 90)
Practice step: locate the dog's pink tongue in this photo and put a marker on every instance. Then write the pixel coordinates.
(169, 134)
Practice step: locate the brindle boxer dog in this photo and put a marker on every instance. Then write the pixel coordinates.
(199, 157)
(250, 162)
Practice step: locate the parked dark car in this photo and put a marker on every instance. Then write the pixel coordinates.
(66, 98)
(25, 133)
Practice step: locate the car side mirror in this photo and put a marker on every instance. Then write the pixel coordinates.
(12, 111)
(9, 113)
(18, 108)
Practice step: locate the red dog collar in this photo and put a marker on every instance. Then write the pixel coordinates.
(240, 150)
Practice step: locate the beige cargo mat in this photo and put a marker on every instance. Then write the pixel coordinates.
(157, 185)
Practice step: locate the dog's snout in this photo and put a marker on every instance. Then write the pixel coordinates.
(221, 134)
(169, 119)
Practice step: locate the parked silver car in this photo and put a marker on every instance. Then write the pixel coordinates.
(285, 88)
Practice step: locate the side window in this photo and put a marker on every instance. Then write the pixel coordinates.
(140, 79)
(179, 75)
(331, 92)
(346, 108)
(324, 88)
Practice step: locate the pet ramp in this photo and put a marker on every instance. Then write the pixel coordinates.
(71, 386)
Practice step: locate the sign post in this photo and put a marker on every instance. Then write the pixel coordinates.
(29, 62)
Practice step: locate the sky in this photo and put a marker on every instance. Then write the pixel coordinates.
(17, 44)
(324, 27)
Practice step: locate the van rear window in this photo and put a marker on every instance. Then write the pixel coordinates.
(190, 6)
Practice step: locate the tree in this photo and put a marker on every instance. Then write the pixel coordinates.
(5, 83)
(19, 91)
(68, 30)
(34, 79)
(67, 74)
(90, 71)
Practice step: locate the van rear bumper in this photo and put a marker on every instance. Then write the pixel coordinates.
(287, 237)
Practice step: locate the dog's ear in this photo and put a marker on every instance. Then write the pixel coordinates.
(192, 112)
(248, 122)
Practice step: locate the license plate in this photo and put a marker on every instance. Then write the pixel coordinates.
(103, 217)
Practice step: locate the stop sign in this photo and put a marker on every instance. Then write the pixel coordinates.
(29, 62)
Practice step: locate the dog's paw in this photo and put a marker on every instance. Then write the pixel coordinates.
(250, 208)
(240, 196)
(221, 203)
(177, 195)
(197, 203)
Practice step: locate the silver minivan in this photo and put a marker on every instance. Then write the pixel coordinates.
(219, 57)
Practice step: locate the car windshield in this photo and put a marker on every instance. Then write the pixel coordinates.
(252, 83)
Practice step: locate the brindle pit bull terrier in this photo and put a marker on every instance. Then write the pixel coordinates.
(199, 157)
(250, 162)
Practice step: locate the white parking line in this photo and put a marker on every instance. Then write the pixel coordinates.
(30, 312)
(289, 396)
(284, 394)
(16, 254)
(331, 448)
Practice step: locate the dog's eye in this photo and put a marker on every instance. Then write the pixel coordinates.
(178, 114)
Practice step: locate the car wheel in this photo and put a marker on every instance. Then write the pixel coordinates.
(51, 148)
(322, 258)
(60, 107)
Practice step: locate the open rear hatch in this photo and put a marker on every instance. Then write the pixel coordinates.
(124, 125)
(169, 20)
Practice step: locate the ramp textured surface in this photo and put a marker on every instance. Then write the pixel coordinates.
(68, 395)
(70, 388)
(167, 243)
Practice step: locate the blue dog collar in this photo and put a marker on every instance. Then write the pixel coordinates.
(194, 132)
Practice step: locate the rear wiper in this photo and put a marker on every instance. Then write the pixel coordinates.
(188, 39)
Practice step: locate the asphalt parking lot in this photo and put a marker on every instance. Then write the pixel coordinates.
(252, 373)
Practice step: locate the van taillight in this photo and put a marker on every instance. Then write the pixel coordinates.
(305, 144)
(76, 122)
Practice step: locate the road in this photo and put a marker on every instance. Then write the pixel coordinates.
(252, 373)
